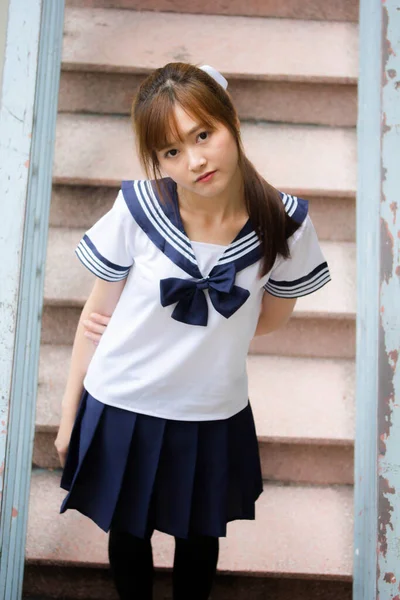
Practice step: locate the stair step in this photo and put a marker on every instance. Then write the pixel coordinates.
(332, 104)
(64, 582)
(297, 84)
(81, 206)
(323, 323)
(277, 49)
(311, 337)
(305, 429)
(315, 405)
(280, 543)
(340, 10)
(71, 285)
(287, 71)
(299, 159)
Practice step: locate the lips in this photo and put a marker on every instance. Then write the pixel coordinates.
(205, 175)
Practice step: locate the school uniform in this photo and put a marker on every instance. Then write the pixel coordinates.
(164, 437)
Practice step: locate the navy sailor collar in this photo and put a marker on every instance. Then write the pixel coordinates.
(161, 221)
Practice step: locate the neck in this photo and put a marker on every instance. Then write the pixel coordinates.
(219, 207)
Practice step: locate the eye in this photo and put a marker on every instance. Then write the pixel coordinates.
(166, 155)
(205, 135)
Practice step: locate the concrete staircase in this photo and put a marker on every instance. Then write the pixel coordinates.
(292, 70)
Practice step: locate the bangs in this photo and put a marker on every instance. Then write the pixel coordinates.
(162, 128)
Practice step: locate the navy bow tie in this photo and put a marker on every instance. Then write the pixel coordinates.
(192, 307)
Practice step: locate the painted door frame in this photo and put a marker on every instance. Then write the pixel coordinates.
(377, 448)
(28, 110)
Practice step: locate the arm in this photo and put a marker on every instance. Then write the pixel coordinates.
(275, 313)
(95, 325)
(103, 299)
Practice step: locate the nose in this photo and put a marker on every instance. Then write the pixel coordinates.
(196, 160)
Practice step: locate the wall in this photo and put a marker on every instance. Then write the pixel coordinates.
(3, 25)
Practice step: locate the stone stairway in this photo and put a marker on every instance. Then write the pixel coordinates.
(292, 71)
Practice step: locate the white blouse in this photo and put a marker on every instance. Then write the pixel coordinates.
(177, 342)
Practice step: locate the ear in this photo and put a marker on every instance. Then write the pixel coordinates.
(237, 123)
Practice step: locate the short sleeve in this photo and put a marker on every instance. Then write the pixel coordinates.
(105, 249)
(306, 270)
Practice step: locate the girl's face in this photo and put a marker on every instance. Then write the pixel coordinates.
(203, 151)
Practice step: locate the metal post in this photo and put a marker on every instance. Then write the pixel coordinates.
(28, 109)
(377, 458)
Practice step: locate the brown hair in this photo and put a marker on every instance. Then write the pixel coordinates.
(203, 98)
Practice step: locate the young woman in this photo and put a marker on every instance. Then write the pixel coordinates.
(157, 430)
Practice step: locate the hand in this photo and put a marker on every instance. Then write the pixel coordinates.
(63, 438)
(95, 326)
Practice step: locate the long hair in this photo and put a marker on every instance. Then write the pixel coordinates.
(205, 100)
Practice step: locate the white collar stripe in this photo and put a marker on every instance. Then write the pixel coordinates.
(160, 213)
(173, 241)
(182, 244)
(294, 207)
(291, 204)
(232, 252)
(287, 201)
(165, 225)
(250, 235)
(247, 250)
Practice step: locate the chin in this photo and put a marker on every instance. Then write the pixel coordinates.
(210, 192)
(213, 187)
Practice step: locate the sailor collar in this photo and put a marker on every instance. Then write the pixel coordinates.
(162, 223)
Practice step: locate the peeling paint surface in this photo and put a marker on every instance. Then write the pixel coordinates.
(28, 108)
(377, 443)
(20, 58)
(388, 558)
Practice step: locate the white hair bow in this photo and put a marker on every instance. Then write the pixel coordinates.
(215, 75)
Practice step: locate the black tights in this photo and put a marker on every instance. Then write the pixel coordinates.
(131, 561)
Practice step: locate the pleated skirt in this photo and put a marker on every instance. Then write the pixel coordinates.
(138, 473)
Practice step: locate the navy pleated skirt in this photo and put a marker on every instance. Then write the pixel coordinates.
(137, 473)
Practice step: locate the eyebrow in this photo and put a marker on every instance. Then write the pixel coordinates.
(193, 130)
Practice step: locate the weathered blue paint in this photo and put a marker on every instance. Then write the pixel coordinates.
(28, 111)
(3, 26)
(16, 122)
(388, 568)
(377, 458)
(367, 208)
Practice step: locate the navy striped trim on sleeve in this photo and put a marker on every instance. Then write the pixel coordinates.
(308, 284)
(91, 258)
